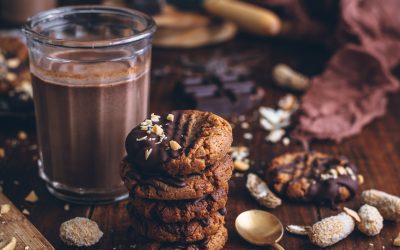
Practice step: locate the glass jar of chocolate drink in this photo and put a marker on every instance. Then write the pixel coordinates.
(90, 74)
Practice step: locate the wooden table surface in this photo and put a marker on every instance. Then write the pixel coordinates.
(376, 151)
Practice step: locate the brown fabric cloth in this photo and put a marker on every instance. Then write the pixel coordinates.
(351, 92)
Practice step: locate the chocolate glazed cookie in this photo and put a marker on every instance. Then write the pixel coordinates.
(193, 231)
(313, 177)
(175, 188)
(199, 139)
(181, 211)
(213, 242)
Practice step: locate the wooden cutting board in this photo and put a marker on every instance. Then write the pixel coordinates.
(15, 224)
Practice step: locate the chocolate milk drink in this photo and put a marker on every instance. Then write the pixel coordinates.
(86, 101)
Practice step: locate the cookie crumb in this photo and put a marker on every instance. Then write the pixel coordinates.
(4, 208)
(32, 197)
(22, 136)
(80, 232)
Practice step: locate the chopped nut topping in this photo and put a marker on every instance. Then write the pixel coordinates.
(170, 117)
(245, 125)
(396, 241)
(147, 153)
(174, 145)
(11, 77)
(241, 165)
(4, 208)
(248, 136)
(13, 63)
(142, 138)
(22, 136)
(155, 118)
(341, 170)
(26, 212)
(157, 130)
(2, 153)
(360, 179)
(32, 197)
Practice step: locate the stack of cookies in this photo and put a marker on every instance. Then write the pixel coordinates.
(177, 171)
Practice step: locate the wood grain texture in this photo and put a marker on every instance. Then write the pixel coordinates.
(15, 224)
(376, 151)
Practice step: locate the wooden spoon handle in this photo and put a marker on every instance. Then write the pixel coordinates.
(247, 16)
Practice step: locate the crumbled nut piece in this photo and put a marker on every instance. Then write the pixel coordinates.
(388, 205)
(360, 179)
(22, 136)
(371, 220)
(248, 136)
(289, 103)
(352, 213)
(241, 165)
(66, 207)
(2, 153)
(341, 170)
(11, 77)
(32, 197)
(10, 245)
(170, 117)
(142, 138)
(285, 76)
(26, 248)
(80, 232)
(157, 130)
(13, 63)
(245, 125)
(299, 230)
(147, 153)
(286, 141)
(331, 230)
(154, 118)
(26, 212)
(396, 241)
(260, 191)
(275, 135)
(4, 208)
(174, 145)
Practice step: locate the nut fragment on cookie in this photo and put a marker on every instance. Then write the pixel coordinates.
(4, 208)
(80, 232)
(10, 245)
(147, 153)
(396, 241)
(157, 130)
(170, 117)
(32, 197)
(174, 145)
(260, 191)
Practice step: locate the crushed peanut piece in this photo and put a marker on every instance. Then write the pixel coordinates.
(22, 136)
(286, 141)
(80, 232)
(248, 136)
(4, 208)
(241, 165)
(245, 125)
(11, 77)
(285, 76)
(360, 179)
(170, 117)
(32, 197)
(174, 145)
(147, 153)
(154, 118)
(396, 241)
(66, 207)
(10, 245)
(352, 213)
(13, 63)
(260, 191)
(299, 230)
(2, 153)
(157, 130)
(26, 248)
(341, 170)
(26, 212)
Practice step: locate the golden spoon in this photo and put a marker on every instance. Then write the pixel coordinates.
(260, 228)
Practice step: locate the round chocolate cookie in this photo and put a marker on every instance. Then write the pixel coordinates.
(176, 188)
(213, 242)
(192, 231)
(313, 177)
(179, 143)
(180, 211)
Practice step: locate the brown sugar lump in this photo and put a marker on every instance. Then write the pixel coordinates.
(80, 232)
(181, 143)
(177, 188)
(313, 176)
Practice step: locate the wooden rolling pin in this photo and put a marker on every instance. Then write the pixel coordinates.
(16, 232)
(247, 16)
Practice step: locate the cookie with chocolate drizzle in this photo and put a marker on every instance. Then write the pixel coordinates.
(212, 242)
(195, 230)
(313, 176)
(167, 187)
(182, 142)
(180, 211)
